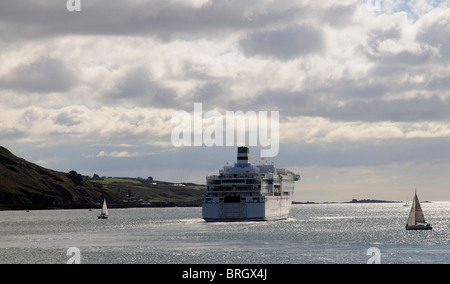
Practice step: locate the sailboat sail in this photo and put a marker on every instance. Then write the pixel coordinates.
(416, 214)
(104, 208)
(104, 214)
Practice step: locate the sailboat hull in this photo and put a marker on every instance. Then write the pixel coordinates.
(419, 227)
(102, 216)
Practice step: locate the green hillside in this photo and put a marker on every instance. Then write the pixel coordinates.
(25, 185)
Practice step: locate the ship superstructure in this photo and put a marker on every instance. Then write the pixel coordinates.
(248, 192)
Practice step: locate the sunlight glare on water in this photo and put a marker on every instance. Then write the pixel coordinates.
(313, 233)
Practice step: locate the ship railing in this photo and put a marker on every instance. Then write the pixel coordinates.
(234, 182)
(233, 189)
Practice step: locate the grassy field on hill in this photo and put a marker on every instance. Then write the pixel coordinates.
(152, 190)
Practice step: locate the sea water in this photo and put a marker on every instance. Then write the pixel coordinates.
(313, 233)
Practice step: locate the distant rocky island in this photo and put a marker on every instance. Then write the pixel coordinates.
(25, 186)
(352, 201)
(372, 201)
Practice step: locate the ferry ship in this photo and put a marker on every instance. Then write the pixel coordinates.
(248, 192)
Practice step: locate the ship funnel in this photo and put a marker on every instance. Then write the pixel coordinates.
(243, 155)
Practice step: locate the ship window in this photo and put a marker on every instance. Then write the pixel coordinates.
(232, 199)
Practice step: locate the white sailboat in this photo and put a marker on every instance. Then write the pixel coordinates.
(416, 220)
(104, 213)
(406, 204)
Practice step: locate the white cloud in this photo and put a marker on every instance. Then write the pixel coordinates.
(37, 124)
(115, 154)
(192, 3)
(319, 130)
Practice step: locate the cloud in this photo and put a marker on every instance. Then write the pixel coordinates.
(333, 61)
(434, 29)
(406, 110)
(115, 124)
(284, 44)
(138, 86)
(160, 18)
(103, 83)
(320, 130)
(44, 75)
(339, 15)
(115, 154)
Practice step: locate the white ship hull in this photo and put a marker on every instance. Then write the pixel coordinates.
(271, 209)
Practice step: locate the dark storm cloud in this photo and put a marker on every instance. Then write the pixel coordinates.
(211, 94)
(402, 61)
(380, 34)
(138, 86)
(366, 153)
(412, 110)
(69, 117)
(437, 34)
(439, 84)
(339, 15)
(284, 44)
(43, 76)
(350, 103)
(159, 18)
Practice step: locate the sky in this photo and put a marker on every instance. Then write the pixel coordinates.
(362, 88)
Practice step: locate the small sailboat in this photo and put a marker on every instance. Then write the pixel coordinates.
(104, 213)
(416, 220)
(406, 203)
